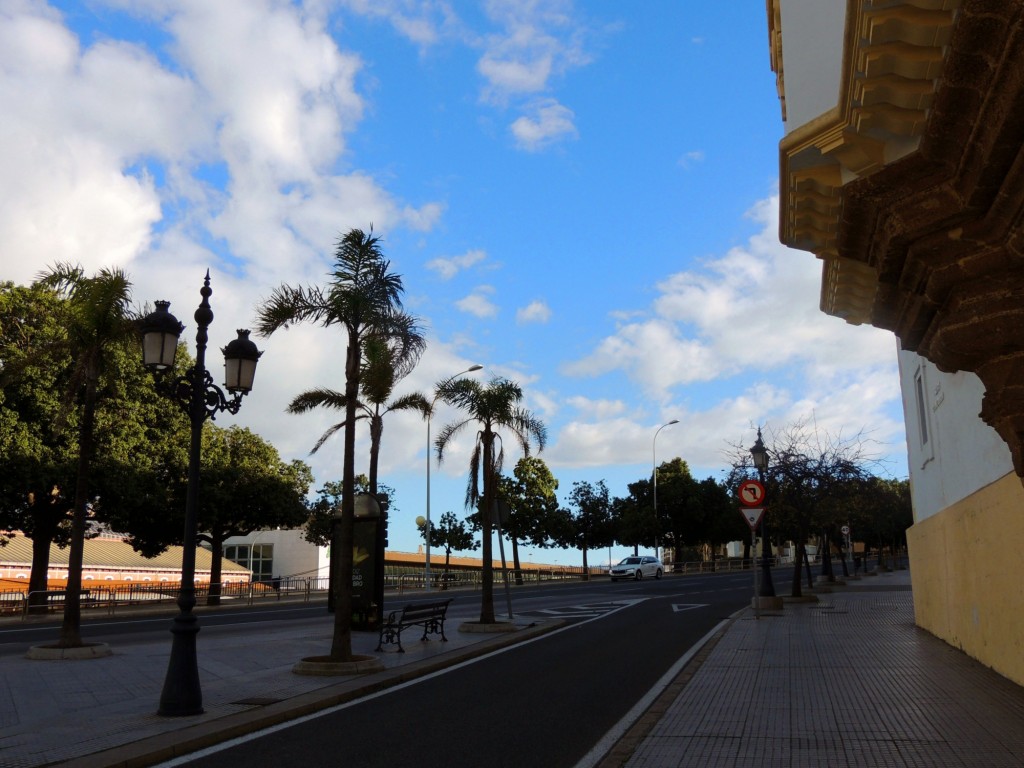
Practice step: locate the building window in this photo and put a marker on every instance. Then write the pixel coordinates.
(258, 558)
(925, 433)
(922, 406)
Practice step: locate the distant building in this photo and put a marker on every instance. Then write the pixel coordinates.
(901, 170)
(106, 561)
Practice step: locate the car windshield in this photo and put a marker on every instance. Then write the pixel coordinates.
(631, 561)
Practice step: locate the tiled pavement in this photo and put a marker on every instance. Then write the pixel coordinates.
(846, 681)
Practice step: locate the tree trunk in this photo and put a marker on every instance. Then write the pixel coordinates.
(216, 567)
(797, 566)
(826, 558)
(38, 579)
(515, 561)
(70, 630)
(487, 569)
(341, 643)
(807, 570)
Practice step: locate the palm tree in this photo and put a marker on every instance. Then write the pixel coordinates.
(492, 406)
(381, 371)
(364, 297)
(98, 319)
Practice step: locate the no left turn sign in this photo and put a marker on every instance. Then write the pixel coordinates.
(751, 493)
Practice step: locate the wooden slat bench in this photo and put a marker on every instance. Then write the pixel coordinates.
(430, 616)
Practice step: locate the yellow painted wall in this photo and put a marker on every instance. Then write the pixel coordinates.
(968, 575)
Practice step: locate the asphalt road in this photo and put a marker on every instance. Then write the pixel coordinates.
(542, 703)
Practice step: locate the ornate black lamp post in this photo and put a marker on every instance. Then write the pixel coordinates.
(201, 399)
(760, 456)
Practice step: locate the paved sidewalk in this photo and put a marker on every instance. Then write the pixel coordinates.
(848, 681)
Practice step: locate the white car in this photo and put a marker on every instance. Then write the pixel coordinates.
(636, 567)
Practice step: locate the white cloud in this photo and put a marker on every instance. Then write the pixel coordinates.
(477, 303)
(751, 313)
(689, 158)
(550, 122)
(753, 309)
(534, 312)
(448, 267)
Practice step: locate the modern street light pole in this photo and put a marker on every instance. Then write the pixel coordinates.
(760, 456)
(430, 414)
(654, 462)
(197, 395)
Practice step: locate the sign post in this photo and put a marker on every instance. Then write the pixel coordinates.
(751, 494)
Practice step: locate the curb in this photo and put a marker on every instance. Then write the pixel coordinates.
(181, 742)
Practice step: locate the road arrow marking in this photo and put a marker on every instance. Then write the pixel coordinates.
(679, 607)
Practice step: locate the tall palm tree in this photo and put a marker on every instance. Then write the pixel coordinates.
(381, 371)
(492, 407)
(98, 319)
(364, 298)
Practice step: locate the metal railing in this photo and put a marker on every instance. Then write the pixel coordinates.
(110, 599)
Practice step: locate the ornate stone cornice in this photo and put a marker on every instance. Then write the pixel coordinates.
(892, 60)
(929, 241)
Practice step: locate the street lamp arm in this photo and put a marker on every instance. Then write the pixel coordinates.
(212, 400)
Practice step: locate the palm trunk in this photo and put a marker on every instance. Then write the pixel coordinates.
(341, 645)
(487, 569)
(70, 630)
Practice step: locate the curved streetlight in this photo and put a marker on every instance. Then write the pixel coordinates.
(197, 395)
(430, 413)
(654, 462)
(760, 456)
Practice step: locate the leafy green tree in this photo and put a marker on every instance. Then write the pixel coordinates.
(450, 534)
(320, 523)
(246, 487)
(491, 407)
(880, 512)
(96, 317)
(723, 523)
(590, 525)
(132, 477)
(633, 516)
(38, 456)
(364, 298)
(532, 504)
(679, 510)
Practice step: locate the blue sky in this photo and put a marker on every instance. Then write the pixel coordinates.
(580, 196)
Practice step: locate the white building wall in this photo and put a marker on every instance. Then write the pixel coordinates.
(293, 555)
(813, 62)
(951, 452)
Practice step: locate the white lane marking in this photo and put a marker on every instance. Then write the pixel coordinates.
(185, 759)
(605, 744)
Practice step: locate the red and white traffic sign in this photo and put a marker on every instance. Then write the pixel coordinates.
(751, 493)
(753, 516)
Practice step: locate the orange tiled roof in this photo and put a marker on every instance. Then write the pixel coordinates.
(108, 553)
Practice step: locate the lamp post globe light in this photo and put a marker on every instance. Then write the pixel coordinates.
(760, 456)
(426, 529)
(654, 462)
(200, 399)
